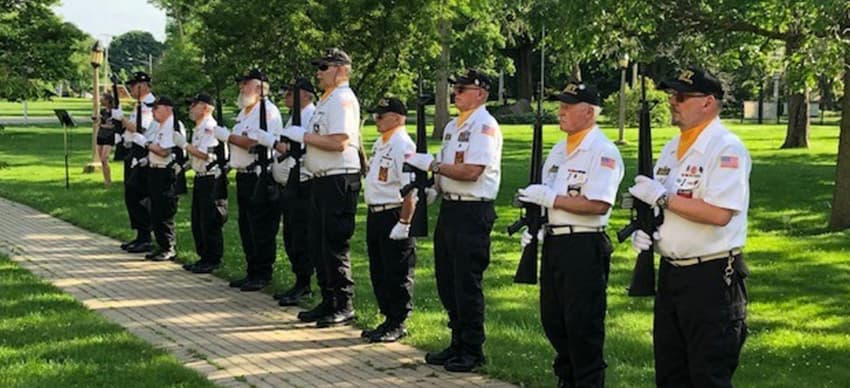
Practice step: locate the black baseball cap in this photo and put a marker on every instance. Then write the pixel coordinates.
(254, 73)
(694, 80)
(202, 97)
(389, 104)
(302, 83)
(576, 92)
(139, 76)
(332, 56)
(473, 77)
(162, 100)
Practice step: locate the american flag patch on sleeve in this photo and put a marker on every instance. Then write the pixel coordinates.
(488, 130)
(608, 162)
(728, 162)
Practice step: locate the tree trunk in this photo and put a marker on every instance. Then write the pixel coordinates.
(576, 75)
(525, 84)
(441, 95)
(797, 133)
(840, 218)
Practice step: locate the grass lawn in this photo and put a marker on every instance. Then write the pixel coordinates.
(48, 339)
(799, 320)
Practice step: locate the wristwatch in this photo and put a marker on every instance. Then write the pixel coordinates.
(435, 167)
(663, 201)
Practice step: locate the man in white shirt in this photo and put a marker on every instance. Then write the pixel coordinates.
(467, 171)
(332, 139)
(209, 190)
(579, 185)
(162, 178)
(259, 216)
(135, 175)
(702, 185)
(392, 252)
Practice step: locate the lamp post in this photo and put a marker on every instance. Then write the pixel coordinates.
(623, 62)
(96, 61)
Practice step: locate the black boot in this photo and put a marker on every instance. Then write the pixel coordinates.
(237, 283)
(470, 358)
(295, 294)
(391, 333)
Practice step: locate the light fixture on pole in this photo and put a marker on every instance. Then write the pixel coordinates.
(96, 62)
(623, 63)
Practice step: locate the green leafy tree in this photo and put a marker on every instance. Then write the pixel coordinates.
(35, 47)
(133, 51)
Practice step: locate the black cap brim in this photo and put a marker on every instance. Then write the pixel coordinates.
(565, 98)
(677, 85)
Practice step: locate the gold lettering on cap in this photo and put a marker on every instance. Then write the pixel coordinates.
(571, 89)
(686, 77)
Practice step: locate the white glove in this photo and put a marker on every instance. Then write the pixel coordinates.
(118, 138)
(280, 171)
(642, 242)
(420, 161)
(117, 114)
(139, 139)
(431, 195)
(647, 190)
(538, 194)
(221, 133)
(525, 239)
(180, 140)
(264, 138)
(127, 138)
(294, 133)
(400, 231)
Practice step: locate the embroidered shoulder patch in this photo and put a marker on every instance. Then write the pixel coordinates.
(608, 162)
(728, 162)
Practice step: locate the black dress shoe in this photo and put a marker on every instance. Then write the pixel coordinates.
(441, 357)
(254, 285)
(152, 254)
(164, 256)
(204, 267)
(126, 244)
(337, 318)
(391, 333)
(295, 295)
(238, 282)
(140, 247)
(464, 362)
(313, 315)
(189, 266)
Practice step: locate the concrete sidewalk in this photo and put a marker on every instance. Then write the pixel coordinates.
(236, 339)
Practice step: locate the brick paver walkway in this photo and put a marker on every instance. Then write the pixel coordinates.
(236, 339)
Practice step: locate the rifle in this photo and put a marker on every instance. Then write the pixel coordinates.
(180, 158)
(121, 152)
(532, 216)
(294, 148)
(421, 182)
(220, 150)
(643, 276)
(266, 190)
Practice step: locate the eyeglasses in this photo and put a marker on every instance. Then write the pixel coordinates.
(462, 88)
(324, 67)
(681, 96)
(378, 116)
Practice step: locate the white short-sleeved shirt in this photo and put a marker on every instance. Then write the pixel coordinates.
(386, 177)
(247, 121)
(203, 138)
(593, 170)
(306, 115)
(716, 169)
(478, 141)
(147, 112)
(338, 113)
(162, 134)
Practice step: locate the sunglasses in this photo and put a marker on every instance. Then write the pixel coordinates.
(681, 96)
(462, 88)
(378, 116)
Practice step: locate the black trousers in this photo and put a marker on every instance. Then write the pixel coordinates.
(208, 216)
(259, 222)
(163, 205)
(333, 204)
(135, 192)
(295, 207)
(699, 326)
(573, 282)
(391, 264)
(461, 254)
